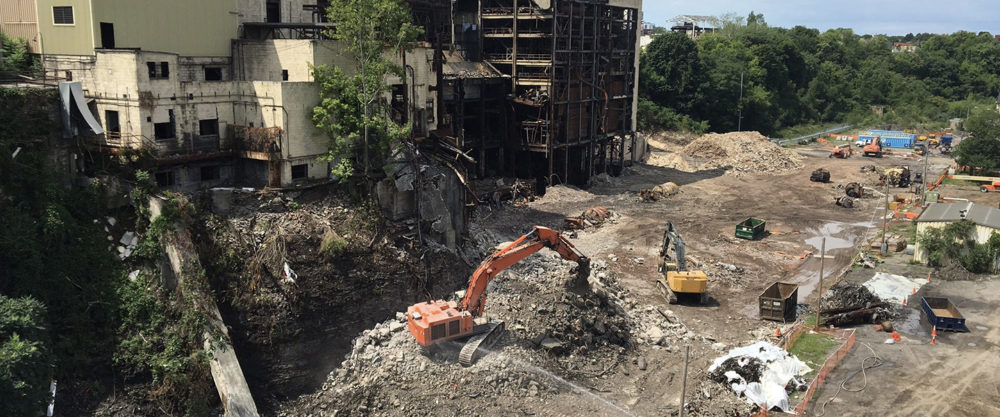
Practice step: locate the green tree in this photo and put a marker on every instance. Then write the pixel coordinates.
(827, 93)
(982, 149)
(670, 72)
(15, 57)
(25, 361)
(352, 106)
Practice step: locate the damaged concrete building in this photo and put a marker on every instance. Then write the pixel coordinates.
(221, 92)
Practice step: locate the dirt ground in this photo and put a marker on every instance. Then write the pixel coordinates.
(639, 374)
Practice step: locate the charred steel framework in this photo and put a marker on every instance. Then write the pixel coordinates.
(573, 79)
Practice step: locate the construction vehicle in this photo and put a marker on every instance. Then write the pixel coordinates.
(994, 186)
(842, 151)
(677, 279)
(896, 177)
(874, 148)
(919, 149)
(432, 322)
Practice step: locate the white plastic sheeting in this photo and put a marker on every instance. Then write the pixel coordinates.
(780, 367)
(891, 287)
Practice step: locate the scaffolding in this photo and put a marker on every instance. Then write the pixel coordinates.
(572, 69)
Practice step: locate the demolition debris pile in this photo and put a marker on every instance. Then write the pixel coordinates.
(742, 153)
(551, 327)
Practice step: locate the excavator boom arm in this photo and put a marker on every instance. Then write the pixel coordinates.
(513, 253)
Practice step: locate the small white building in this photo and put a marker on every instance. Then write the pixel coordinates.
(936, 215)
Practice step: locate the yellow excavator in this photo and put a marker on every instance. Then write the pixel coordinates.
(677, 280)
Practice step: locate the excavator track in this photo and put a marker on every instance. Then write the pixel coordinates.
(485, 340)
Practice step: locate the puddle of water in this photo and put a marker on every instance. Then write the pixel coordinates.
(910, 324)
(832, 242)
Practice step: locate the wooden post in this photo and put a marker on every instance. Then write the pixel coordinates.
(687, 357)
(819, 289)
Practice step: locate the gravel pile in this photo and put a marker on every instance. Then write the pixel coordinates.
(742, 153)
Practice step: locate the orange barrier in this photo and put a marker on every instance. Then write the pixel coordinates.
(831, 362)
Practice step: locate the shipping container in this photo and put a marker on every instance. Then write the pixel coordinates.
(897, 142)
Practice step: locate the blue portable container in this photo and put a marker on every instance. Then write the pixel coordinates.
(946, 140)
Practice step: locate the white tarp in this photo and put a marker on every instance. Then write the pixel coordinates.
(780, 367)
(891, 287)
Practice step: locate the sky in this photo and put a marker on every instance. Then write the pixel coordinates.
(890, 17)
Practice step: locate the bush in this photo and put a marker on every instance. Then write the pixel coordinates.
(653, 117)
(25, 361)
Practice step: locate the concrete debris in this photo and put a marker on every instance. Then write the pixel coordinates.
(742, 153)
(820, 175)
(845, 202)
(593, 217)
(659, 192)
(854, 190)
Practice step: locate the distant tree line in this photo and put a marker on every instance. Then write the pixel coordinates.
(799, 76)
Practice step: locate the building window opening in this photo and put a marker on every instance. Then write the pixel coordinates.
(208, 127)
(165, 130)
(300, 172)
(62, 15)
(69, 76)
(273, 11)
(158, 71)
(284, 75)
(166, 179)
(111, 124)
(213, 74)
(210, 173)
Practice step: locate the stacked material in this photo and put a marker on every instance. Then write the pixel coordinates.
(742, 153)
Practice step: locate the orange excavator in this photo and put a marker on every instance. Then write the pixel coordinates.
(874, 148)
(436, 321)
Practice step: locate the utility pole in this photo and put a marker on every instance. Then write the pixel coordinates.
(923, 182)
(885, 218)
(684, 381)
(819, 303)
(739, 122)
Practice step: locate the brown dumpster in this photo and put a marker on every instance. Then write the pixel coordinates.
(779, 301)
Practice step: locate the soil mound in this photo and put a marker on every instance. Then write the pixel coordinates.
(742, 153)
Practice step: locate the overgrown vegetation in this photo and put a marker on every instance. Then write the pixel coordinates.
(352, 110)
(25, 361)
(15, 59)
(59, 276)
(51, 248)
(800, 76)
(956, 242)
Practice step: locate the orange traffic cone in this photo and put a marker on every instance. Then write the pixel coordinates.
(904, 301)
(777, 332)
(934, 331)
(914, 291)
(932, 340)
(928, 277)
(895, 336)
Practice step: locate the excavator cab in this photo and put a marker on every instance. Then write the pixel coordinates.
(677, 280)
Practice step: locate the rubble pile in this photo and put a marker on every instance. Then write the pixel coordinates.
(658, 192)
(742, 153)
(552, 329)
(592, 217)
(848, 304)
